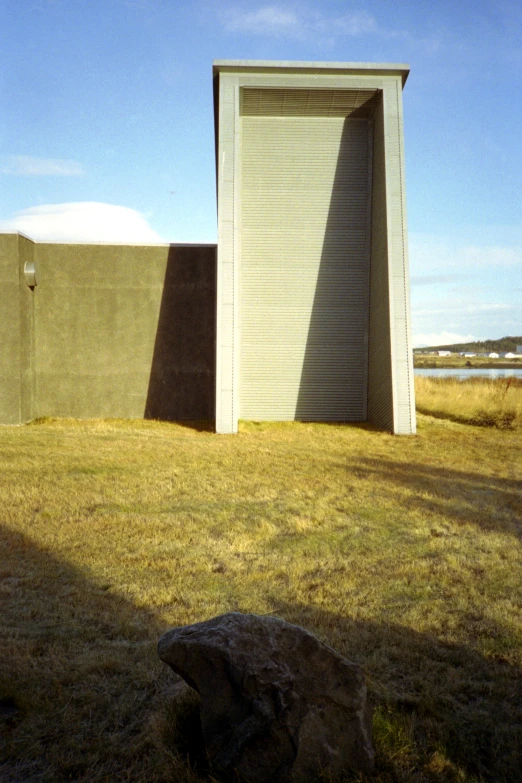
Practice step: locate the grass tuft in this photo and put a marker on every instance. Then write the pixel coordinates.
(478, 401)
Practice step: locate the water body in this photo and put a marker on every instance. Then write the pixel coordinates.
(462, 373)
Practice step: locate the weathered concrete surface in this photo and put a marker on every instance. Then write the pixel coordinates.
(10, 331)
(16, 331)
(108, 331)
(277, 705)
(125, 331)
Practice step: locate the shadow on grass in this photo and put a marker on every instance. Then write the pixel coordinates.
(81, 685)
(500, 421)
(79, 672)
(488, 502)
(197, 426)
(431, 699)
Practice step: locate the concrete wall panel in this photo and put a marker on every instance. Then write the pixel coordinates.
(108, 331)
(10, 331)
(27, 298)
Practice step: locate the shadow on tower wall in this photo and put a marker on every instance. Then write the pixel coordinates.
(182, 377)
(333, 383)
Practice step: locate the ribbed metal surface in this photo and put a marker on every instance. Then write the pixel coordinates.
(304, 267)
(293, 102)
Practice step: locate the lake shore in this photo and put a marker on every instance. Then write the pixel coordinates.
(431, 362)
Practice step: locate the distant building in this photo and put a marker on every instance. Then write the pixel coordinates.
(519, 348)
(469, 355)
(493, 355)
(444, 353)
(510, 356)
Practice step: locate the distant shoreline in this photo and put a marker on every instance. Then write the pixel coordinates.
(457, 362)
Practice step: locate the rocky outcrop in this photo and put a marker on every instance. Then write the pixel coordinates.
(277, 705)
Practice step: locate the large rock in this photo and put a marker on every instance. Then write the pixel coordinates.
(277, 705)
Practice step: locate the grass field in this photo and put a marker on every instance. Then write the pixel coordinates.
(404, 554)
(479, 401)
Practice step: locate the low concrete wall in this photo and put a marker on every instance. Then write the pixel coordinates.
(108, 331)
(10, 338)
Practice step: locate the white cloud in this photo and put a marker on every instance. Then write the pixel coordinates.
(433, 279)
(446, 254)
(492, 256)
(355, 24)
(86, 221)
(465, 284)
(287, 19)
(441, 338)
(463, 309)
(30, 166)
(280, 21)
(268, 20)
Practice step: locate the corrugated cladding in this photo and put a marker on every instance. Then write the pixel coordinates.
(305, 218)
(298, 102)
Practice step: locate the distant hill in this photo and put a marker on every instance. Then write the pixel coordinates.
(504, 345)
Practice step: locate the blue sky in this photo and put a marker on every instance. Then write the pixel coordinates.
(106, 128)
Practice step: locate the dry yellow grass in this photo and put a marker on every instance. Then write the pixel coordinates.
(479, 401)
(402, 553)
